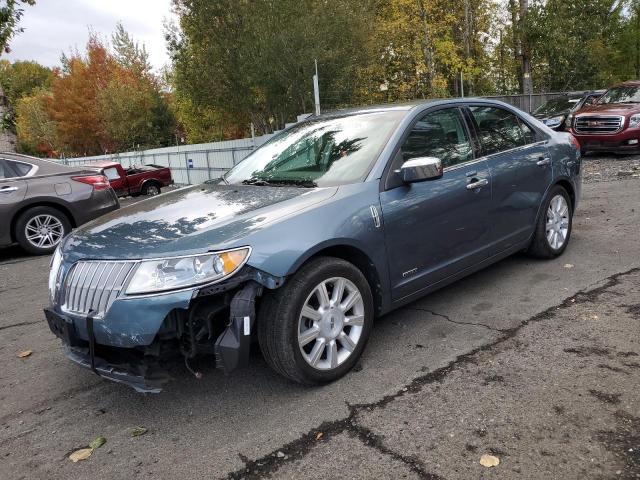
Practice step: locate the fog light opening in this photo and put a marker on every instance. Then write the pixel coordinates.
(633, 141)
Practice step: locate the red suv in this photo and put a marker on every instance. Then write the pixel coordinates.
(613, 123)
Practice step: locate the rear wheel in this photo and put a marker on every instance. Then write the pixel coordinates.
(151, 189)
(314, 328)
(554, 225)
(39, 230)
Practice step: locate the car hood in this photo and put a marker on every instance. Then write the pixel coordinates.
(189, 220)
(611, 109)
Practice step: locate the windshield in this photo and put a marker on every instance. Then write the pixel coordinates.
(623, 94)
(557, 105)
(321, 152)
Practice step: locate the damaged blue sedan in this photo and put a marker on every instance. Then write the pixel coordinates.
(333, 222)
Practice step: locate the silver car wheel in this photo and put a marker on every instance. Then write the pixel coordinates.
(330, 324)
(44, 231)
(557, 226)
(152, 191)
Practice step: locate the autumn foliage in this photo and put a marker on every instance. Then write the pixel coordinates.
(101, 101)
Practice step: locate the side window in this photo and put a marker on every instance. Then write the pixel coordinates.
(20, 168)
(6, 171)
(529, 134)
(111, 173)
(500, 130)
(439, 134)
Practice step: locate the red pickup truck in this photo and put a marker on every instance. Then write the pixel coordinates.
(612, 124)
(145, 180)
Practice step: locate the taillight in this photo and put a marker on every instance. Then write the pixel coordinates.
(98, 182)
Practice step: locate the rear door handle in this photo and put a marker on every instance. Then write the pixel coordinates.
(8, 189)
(477, 184)
(542, 161)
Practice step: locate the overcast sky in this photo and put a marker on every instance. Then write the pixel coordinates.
(55, 26)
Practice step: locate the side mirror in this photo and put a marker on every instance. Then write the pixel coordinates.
(420, 169)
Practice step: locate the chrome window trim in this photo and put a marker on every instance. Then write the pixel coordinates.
(488, 157)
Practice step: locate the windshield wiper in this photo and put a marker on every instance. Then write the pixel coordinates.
(279, 182)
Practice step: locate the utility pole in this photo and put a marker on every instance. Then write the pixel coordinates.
(527, 83)
(316, 89)
(461, 84)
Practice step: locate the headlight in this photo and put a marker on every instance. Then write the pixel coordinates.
(568, 121)
(172, 273)
(554, 121)
(634, 120)
(54, 272)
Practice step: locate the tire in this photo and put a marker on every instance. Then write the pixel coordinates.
(280, 322)
(553, 215)
(151, 189)
(39, 230)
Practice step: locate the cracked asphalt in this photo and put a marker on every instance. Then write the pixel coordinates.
(534, 362)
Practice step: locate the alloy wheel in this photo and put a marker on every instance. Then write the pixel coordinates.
(44, 231)
(557, 226)
(331, 322)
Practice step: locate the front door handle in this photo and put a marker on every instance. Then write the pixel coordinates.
(8, 189)
(477, 184)
(542, 161)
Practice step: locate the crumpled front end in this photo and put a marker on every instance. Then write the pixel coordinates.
(133, 339)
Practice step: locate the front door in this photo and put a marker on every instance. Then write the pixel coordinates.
(520, 173)
(436, 228)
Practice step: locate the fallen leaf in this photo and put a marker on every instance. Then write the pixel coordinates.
(568, 265)
(97, 443)
(489, 461)
(136, 432)
(81, 454)
(26, 353)
(319, 435)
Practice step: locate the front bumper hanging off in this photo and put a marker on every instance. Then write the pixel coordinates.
(231, 347)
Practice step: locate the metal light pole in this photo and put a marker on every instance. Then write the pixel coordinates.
(316, 89)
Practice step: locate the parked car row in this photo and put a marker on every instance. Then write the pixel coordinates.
(605, 121)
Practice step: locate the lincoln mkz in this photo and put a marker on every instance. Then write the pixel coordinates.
(333, 222)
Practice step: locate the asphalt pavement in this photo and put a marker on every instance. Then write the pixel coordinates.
(535, 363)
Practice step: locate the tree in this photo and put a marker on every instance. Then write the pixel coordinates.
(10, 15)
(37, 132)
(21, 78)
(253, 61)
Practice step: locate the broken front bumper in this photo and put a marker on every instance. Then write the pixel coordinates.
(117, 346)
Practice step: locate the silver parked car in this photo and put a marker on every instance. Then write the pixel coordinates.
(41, 201)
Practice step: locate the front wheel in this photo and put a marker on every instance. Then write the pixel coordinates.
(553, 229)
(314, 328)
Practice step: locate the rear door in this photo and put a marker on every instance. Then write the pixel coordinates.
(436, 228)
(520, 172)
(12, 190)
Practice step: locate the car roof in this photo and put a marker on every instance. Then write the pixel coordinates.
(408, 106)
(45, 166)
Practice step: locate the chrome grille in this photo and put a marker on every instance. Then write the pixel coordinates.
(601, 124)
(92, 285)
